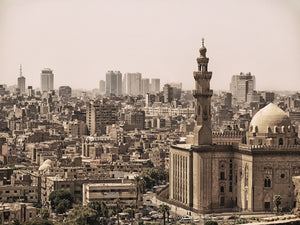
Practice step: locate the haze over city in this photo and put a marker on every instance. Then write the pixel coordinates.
(82, 40)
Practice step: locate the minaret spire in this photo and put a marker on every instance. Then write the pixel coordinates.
(202, 95)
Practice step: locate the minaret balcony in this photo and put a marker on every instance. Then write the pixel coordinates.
(202, 75)
(198, 93)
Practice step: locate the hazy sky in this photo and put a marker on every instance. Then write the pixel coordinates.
(82, 39)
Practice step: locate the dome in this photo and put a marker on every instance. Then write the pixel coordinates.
(270, 118)
(202, 51)
(46, 165)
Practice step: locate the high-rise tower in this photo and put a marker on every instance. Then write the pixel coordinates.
(47, 80)
(21, 82)
(202, 95)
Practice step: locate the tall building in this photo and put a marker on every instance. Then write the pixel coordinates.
(65, 91)
(240, 86)
(113, 83)
(168, 93)
(132, 83)
(102, 87)
(243, 176)
(47, 80)
(145, 86)
(155, 85)
(21, 82)
(100, 114)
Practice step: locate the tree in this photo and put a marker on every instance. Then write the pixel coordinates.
(153, 176)
(61, 200)
(100, 207)
(277, 202)
(164, 209)
(45, 213)
(118, 209)
(82, 215)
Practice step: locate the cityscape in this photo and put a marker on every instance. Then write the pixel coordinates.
(140, 148)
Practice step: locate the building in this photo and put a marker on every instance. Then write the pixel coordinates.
(21, 82)
(100, 114)
(145, 86)
(47, 80)
(212, 177)
(132, 83)
(65, 91)
(155, 85)
(240, 86)
(168, 93)
(23, 212)
(113, 83)
(134, 120)
(109, 192)
(102, 87)
(268, 96)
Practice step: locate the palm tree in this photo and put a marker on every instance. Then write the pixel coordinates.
(164, 209)
(117, 202)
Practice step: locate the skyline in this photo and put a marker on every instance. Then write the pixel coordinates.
(88, 39)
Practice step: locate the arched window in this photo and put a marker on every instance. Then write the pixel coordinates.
(199, 112)
(280, 142)
(222, 189)
(267, 182)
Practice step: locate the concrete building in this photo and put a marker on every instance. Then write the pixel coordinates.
(109, 192)
(99, 115)
(145, 86)
(207, 177)
(168, 93)
(113, 83)
(21, 82)
(132, 84)
(47, 80)
(23, 212)
(65, 91)
(240, 86)
(102, 87)
(155, 85)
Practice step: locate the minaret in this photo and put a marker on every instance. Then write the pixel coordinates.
(202, 95)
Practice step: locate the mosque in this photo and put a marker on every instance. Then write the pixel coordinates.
(208, 178)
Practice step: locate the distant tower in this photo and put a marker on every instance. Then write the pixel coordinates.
(21, 82)
(47, 80)
(113, 83)
(202, 95)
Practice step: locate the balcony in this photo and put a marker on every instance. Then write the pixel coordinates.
(198, 93)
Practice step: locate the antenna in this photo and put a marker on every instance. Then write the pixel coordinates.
(20, 70)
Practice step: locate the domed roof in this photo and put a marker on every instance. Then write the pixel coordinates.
(46, 165)
(203, 50)
(269, 117)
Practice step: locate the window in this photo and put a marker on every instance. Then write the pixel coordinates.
(267, 206)
(280, 142)
(282, 175)
(267, 182)
(222, 175)
(222, 189)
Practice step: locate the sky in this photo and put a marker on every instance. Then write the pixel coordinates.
(82, 39)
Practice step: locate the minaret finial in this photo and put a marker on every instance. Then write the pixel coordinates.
(20, 70)
(202, 41)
